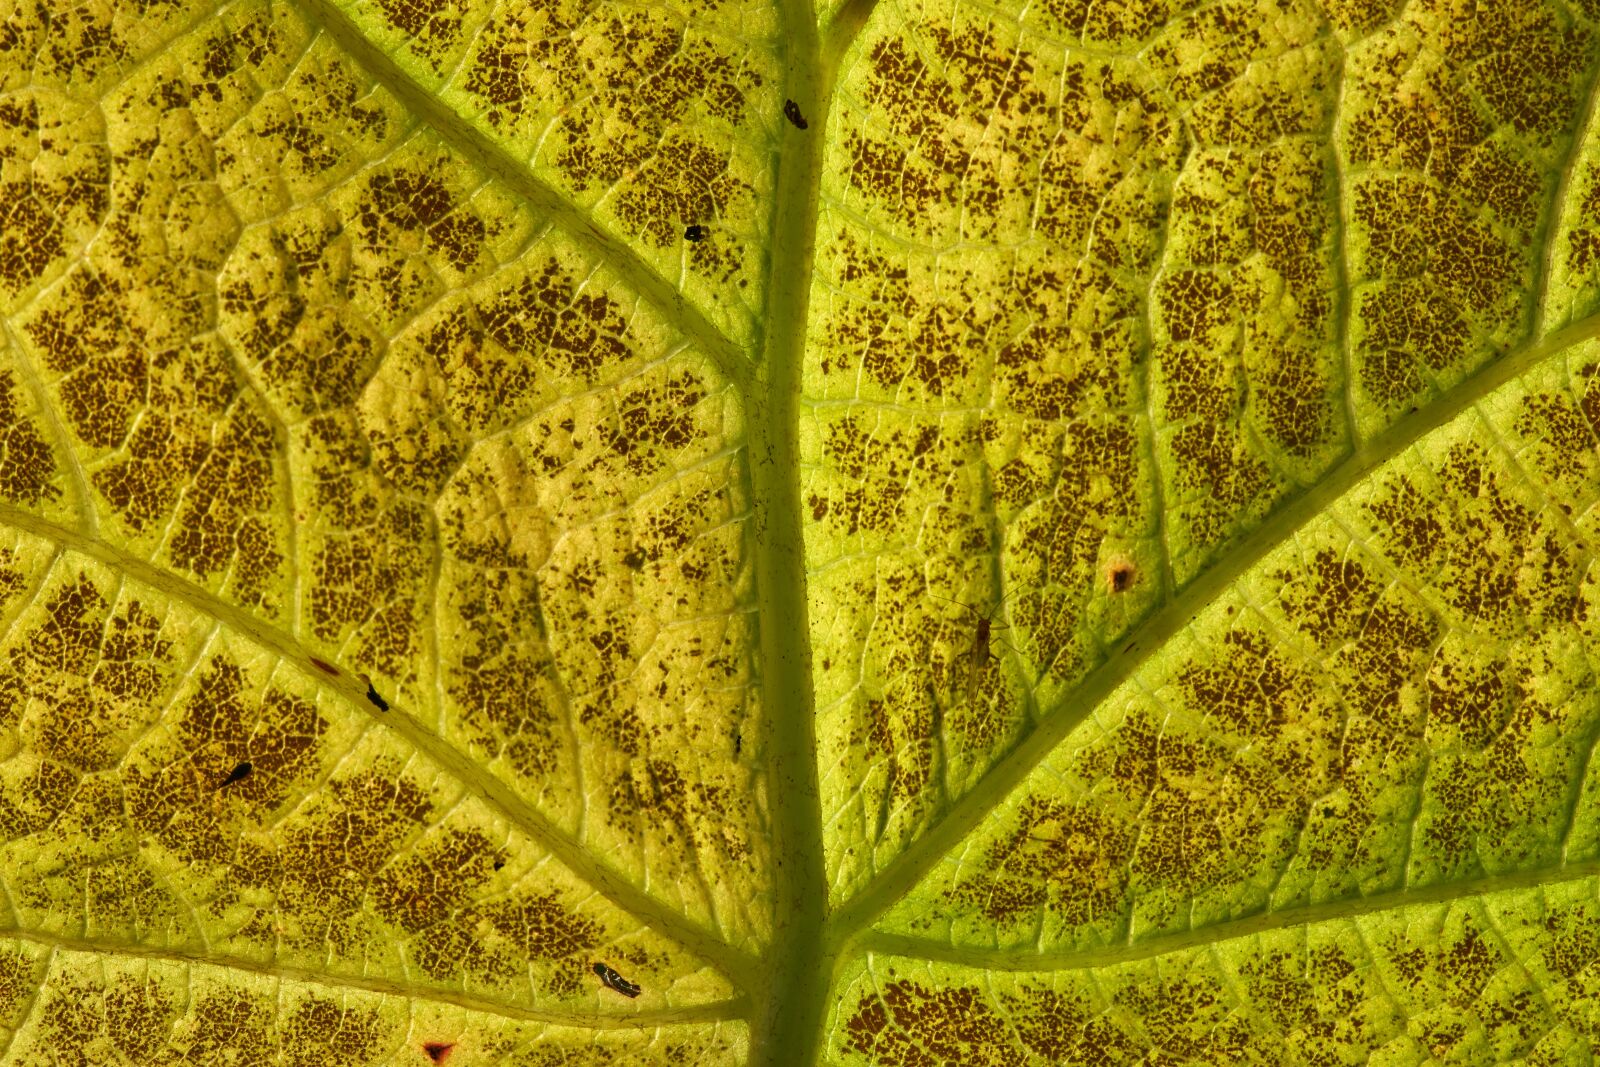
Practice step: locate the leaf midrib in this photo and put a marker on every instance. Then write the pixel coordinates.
(787, 1024)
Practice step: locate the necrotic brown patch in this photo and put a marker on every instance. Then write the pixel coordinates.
(27, 463)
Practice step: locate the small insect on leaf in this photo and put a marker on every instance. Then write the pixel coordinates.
(984, 632)
(238, 774)
(615, 981)
(372, 695)
(791, 111)
(695, 233)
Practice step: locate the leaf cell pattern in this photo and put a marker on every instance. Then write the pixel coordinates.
(757, 531)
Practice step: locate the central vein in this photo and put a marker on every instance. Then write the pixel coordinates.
(787, 1027)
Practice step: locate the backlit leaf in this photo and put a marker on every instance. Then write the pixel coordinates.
(778, 532)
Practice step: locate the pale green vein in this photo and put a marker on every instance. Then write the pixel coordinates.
(788, 1027)
(963, 817)
(1538, 290)
(594, 1020)
(483, 153)
(733, 962)
(33, 382)
(1244, 926)
(843, 28)
(1343, 298)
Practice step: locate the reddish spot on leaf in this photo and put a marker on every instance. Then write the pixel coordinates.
(325, 667)
(438, 1050)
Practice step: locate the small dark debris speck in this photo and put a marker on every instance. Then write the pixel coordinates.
(372, 695)
(696, 233)
(239, 773)
(615, 981)
(791, 111)
(325, 667)
(438, 1050)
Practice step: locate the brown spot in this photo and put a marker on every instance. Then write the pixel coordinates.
(438, 1050)
(27, 462)
(320, 1032)
(1120, 576)
(57, 196)
(422, 204)
(1072, 861)
(431, 26)
(626, 93)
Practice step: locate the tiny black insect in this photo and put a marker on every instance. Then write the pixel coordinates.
(791, 111)
(615, 981)
(738, 742)
(695, 232)
(372, 695)
(238, 774)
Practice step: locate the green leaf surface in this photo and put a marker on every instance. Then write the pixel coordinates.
(785, 532)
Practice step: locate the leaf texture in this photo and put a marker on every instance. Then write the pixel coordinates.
(901, 533)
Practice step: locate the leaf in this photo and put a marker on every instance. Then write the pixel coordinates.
(758, 532)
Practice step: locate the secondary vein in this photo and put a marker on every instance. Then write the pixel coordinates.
(907, 869)
(594, 1020)
(738, 965)
(481, 151)
(1243, 926)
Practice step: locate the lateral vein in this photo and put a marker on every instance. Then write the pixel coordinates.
(901, 874)
(481, 151)
(593, 1020)
(737, 964)
(1232, 929)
